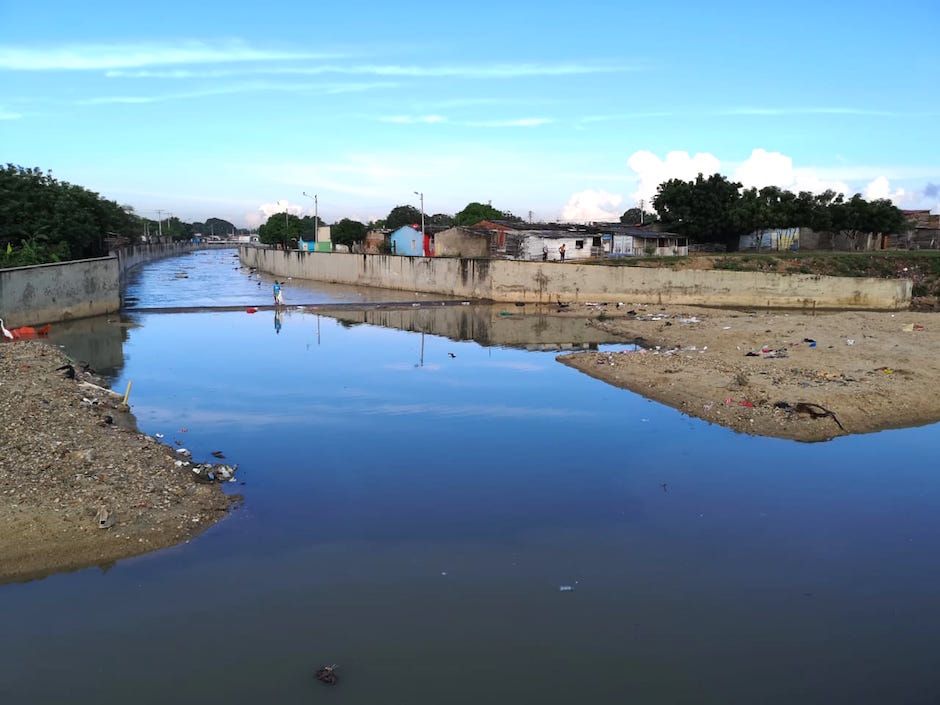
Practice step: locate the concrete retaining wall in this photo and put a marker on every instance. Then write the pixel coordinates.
(47, 293)
(54, 292)
(541, 282)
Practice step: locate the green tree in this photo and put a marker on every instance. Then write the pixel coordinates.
(47, 220)
(402, 215)
(442, 220)
(637, 216)
(475, 212)
(348, 232)
(280, 229)
(702, 209)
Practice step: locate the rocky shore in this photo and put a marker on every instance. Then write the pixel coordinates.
(79, 484)
(786, 375)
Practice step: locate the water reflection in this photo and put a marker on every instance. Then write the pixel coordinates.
(420, 486)
(97, 341)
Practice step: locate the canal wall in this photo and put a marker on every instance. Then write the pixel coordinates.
(53, 292)
(59, 291)
(547, 282)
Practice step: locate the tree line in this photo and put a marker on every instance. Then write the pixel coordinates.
(715, 209)
(285, 229)
(43, 219)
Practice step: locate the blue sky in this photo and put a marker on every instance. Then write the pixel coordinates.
(572, 111)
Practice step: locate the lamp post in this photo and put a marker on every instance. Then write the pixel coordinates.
(417, 193)
(316, 216)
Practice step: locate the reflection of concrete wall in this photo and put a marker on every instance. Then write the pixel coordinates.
(95, 341)
(487, 325)
(510, 281)
(55, 292)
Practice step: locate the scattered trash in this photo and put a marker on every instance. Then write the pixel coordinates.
(327, 674)
(104, 518)
(184, 452)
(218, 454)
(910, 327)
(886, 370)
(209, 472)
(251, 309)
(748, 404)
(566, 588)
(850, 341)
(815, 411)
(812, 343)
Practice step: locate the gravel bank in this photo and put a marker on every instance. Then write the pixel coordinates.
(67, 449)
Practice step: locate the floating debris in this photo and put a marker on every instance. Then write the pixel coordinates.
(327, 674)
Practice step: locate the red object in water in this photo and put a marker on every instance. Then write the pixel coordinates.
(251, 309)
(25, 332)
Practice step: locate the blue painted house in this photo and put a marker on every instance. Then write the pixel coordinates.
(407, 241)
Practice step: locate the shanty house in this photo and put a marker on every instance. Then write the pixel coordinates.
(461, 241)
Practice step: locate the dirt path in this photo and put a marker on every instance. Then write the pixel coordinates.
(66, 450)
(761, 373)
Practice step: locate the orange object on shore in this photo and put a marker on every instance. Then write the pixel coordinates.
(25, 332)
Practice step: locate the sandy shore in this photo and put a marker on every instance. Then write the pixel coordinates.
(786, 375)
(66, 450)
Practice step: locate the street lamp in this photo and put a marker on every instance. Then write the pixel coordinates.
(316, 216)
(422, 212)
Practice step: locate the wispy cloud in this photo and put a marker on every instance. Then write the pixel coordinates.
(413, 119)
(772, 111)
(89, 57)
(482, 71)
(520, 122)
(7, 115)
(251, 87)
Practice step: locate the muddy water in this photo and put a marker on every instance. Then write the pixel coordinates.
(441, 509)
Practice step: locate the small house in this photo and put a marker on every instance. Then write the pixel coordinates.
(535, 245)
(461, 241)
(407, 241)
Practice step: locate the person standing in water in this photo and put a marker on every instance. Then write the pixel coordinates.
(278, 299)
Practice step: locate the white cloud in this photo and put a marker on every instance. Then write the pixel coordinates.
(592, 205)
(651, 171)
(7, 115)
(765, 168)
(881, 188)
(84, 57)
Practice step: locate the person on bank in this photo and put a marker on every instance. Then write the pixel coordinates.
(561, 252)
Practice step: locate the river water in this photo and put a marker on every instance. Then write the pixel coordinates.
(436, 505)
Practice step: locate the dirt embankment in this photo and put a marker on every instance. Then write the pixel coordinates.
(785, 375)
(67, 449)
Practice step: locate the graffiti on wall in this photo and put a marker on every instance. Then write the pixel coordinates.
(772, 239)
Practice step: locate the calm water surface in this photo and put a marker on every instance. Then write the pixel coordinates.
(413, 505)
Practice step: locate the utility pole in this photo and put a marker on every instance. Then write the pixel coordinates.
(159, 223)
(316, 217)
(421, 194)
